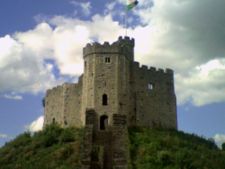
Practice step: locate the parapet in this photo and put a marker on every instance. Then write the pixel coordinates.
(61, 88)
(152, 69)
(107, 48)
(54, 90)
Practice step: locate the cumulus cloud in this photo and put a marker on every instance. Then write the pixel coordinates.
(204, 83)
(36, 125)
(21, 69)
(219, 139)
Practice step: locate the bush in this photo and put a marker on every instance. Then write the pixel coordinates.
(223, 146)
(67, 136)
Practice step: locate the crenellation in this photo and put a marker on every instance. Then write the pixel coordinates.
(169, 71)
(160, 70)
(152, 69)
(136, 65)
(144, 67)
(124, 46)
(106, 44)
(126, 39)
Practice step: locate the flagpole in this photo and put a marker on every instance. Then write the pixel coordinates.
(131, 4)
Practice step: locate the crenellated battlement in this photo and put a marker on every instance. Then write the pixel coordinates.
(62, 88)
(122, 46)
(151, 69)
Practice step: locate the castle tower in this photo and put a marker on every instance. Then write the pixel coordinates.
(106, 79)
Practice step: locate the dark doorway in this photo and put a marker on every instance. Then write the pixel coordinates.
(103, 122)
(104, 99)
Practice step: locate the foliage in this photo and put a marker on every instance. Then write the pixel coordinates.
(57, 148)
(53, 147)
(223, 146)
(169, 149)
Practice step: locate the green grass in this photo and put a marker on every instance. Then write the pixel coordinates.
(56, 148)
(52, 148)
(168, 149)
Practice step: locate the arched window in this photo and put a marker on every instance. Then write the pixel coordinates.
(53, 120)
(103, 122)
(104, 99)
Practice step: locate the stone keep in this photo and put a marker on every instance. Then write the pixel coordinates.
(113, 83)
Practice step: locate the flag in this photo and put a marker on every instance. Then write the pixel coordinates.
(131, 4)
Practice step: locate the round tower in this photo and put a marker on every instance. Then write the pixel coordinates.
(106, 79)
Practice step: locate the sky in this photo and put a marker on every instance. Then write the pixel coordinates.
(41, 46)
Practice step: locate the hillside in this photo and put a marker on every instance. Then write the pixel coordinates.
(56, 148)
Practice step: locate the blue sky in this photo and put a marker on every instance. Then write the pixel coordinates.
(41, 46)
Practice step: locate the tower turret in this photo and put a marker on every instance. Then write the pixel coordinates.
(106, 78)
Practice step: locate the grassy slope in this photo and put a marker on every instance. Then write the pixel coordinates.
(157, 149)
(56, 148)
(53, 148)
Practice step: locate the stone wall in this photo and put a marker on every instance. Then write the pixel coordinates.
(54, 105)
(155, 100)
(72, 104)
(120, 142)
(63, 105)
(105, 149)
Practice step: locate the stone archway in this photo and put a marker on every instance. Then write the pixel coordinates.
(103, 122)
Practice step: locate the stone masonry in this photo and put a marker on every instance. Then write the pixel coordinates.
(113, 93)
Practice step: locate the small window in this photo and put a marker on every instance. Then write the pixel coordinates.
(107, 59)
(85, 64)
(53, 120)
(104, 100)
(150, 86)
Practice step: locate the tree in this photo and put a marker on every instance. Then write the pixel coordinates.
(223, 146)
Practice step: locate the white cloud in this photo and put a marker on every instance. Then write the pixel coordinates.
(36, 125)
(37, 39)
(110, 6)
(13, 96)
(3, 136)
(204, 84)
(21, 68)
(219, 139)
(85, 7)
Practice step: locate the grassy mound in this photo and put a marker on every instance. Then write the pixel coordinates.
(52, 148)
(57, 148)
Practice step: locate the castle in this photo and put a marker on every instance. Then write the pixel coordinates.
(113, 83)
(113, 93)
